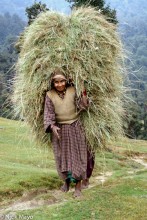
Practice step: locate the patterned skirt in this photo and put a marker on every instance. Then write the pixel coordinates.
(71, 151)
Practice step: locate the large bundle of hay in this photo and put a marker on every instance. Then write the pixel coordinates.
(83, 45)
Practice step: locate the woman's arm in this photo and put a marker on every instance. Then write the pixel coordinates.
(49, 117)
(49, 114)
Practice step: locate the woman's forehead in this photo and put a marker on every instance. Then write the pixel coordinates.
(59, 80)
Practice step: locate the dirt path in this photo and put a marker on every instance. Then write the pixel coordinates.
(38, 198)
(141, 160)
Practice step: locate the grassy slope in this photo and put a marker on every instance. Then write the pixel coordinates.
(23, 164)
(26, 166)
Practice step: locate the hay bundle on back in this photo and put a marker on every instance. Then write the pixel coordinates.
(84, 46)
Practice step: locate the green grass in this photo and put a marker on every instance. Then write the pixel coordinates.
(129, 146)
(23, 164)
(117, 200)
(26, 166)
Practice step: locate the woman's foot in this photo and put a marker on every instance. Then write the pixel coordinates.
(65, 187)
(77, 192)
(85, 183)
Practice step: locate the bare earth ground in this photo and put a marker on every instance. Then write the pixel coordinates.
(38, 198)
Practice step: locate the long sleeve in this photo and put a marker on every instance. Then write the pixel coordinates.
(49, 114)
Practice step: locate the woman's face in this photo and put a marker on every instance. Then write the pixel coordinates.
(60, 84)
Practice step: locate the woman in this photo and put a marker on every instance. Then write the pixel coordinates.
(61, 117)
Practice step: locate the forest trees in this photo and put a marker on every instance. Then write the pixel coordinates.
(33, 11)
(99, 5)
(10, 28)
(135, 41)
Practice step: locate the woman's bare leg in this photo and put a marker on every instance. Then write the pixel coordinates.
(85, 183)
(77, 192)
(65, 187)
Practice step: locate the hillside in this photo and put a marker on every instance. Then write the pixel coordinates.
(127, 10)
(30, 184)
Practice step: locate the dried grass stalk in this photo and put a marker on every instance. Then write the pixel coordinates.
(83, 45)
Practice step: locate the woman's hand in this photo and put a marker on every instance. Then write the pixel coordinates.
(84, 95)
(55, 130)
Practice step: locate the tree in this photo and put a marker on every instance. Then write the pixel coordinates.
(33, 11)
(99, 5)
(10, 28)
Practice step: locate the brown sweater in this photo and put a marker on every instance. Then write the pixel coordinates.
(65, 109)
